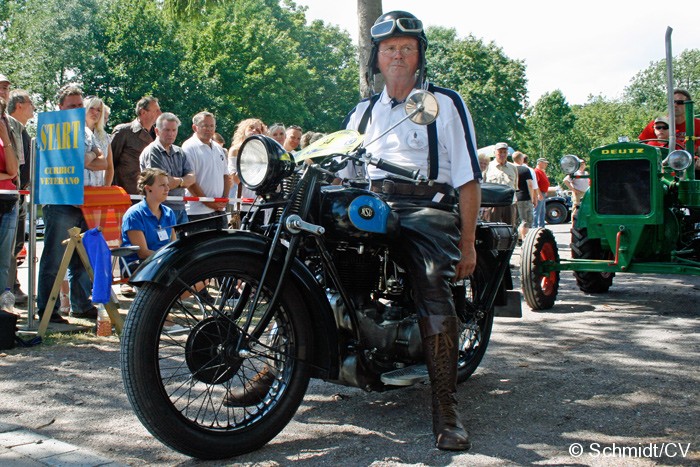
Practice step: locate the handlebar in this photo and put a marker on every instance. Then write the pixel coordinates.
(394, 168)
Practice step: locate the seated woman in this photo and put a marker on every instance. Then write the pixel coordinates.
(149, 224)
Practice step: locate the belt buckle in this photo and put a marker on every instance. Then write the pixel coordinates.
(388, 186)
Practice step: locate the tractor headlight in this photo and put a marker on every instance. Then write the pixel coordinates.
(679, 160)
(262, 163)
(569, 164)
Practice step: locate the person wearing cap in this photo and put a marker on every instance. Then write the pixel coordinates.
(661, 133)
(680, 96)
(438, 219)
(505, 173)
(543, 183)
(578, 185)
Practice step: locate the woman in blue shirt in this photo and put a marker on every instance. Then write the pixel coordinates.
(149, 224)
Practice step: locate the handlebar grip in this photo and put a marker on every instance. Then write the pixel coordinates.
(397, 169)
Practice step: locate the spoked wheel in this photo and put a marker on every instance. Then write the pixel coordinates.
(540, 289)
(188, 347)
(583, 247)
(475, 320)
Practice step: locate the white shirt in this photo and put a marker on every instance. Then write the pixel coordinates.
(209, 164)
(407, 144)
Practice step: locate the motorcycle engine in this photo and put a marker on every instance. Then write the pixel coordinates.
(387, 322)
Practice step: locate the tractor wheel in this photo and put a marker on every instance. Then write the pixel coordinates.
(583, 247)
(540, 289)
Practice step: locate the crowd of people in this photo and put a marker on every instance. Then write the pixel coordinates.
(140, 156)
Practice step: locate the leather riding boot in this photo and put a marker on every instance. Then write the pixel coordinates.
(440, 341)
(252, 392)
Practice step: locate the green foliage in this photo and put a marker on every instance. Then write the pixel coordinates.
(248, 58)
(648, 87)
(493, 86)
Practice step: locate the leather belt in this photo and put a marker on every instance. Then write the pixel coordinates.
(421, 189)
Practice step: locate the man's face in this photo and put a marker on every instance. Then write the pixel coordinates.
(150, 114)
(293, 139)
(205, 129)
(25, 110)
(74, 101)
(168, 134)
(679, 106)
(398, 58)
(542, 166)
(5, 90)
(501, 155)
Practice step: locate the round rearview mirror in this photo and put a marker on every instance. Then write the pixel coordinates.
(679, 160)
(422, 108)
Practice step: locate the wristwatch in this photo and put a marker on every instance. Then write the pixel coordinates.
(182, 182)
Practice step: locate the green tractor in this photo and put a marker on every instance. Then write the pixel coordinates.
(641, 214)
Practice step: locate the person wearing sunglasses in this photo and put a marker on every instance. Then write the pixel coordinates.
(680, 96)
(445, 152)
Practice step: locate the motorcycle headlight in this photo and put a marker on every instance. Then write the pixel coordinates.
(679, 160)
(569, 163)
(262, 163)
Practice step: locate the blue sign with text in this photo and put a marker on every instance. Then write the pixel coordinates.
(60, 140)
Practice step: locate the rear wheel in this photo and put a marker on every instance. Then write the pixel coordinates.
(476, 320)
(583, 247)
(556, 213)
(540, 289)
(185, 347)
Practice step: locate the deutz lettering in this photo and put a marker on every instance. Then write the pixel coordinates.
(623, 151)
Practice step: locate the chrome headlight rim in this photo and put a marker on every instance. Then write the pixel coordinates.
(262, 163)
(569, 164)
(679, 160)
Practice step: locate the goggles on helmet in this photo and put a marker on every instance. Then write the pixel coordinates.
(386, 28)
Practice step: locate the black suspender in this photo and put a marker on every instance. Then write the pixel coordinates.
(432, 137)
(368, 114)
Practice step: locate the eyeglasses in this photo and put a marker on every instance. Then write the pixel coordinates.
(386, 28)
(406, 51)
(207, 126)
(660, 127)
(679, 102)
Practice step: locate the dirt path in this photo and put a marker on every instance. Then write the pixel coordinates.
(617, 374)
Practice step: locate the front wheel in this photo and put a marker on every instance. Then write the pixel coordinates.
(584, 247)
(476, 319)
(187, 347)
(539, 288)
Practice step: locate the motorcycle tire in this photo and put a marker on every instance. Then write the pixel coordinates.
(186, 346)
(583, 247)
(540, 290)
(476, 321)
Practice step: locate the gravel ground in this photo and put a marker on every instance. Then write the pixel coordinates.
(617, 374)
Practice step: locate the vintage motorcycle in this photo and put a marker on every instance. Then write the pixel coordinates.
(312, 292)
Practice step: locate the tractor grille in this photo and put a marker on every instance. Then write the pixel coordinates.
(624, 187)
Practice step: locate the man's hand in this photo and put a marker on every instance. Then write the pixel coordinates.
(467, 262)
(216, 206)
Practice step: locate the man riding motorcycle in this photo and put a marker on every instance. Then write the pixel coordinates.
(438, 218)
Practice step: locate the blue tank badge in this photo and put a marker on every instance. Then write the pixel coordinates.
(369, 214)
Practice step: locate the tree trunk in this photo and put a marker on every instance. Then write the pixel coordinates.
(367, 12)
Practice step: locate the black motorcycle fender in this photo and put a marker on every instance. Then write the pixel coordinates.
(164, 266)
